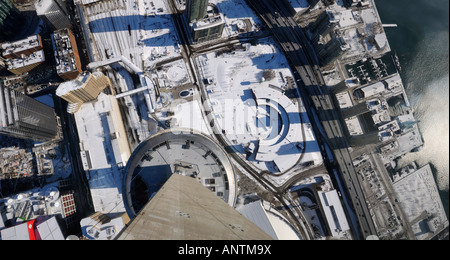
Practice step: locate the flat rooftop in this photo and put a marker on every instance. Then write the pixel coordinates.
(209, 22)
(104, 150)
(35, 57)
(299, 5)
(361, 30)
(257, 115)
(234, 13)
(64, 53)
(32, 41)
(419, 198)
(72, 85)
(32, 204)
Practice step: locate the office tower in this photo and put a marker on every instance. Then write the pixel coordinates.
(53, 13)
(68, 63)
(183, 209)
(196, 9)
(21, 47)
(2, 63)
(85, 88)
(208, 29)
(26, 118)
(332, 50)
(205, 24)
(324, 24)
(11, 20)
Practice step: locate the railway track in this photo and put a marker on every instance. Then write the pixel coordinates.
(293, 41)
(301, 225)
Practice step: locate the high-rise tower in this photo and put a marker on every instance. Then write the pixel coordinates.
(206, 24)
(10, 20)
(177, 151)
(196, 9)
(25, 118)
(53, 13)
(68, 63)
(85, 88)
(184, 209)
(23, 55)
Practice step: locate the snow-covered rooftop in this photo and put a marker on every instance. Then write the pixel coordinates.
(105, 146)
(141, 30)
(361, 30)
(265, 218)
(30, 42)
(66, 55)
(299, 5)
(253, 112)
(329, 201)
(72, 85)
(26, 60)
(419, 198)
(32, 204)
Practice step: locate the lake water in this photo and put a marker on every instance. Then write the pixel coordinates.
(422, 43)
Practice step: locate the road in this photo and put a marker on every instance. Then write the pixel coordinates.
(295, 215)
(80, 183)
(304, 61)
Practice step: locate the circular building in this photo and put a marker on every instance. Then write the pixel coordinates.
(177, 151)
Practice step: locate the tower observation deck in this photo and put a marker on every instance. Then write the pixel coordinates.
(177, 151)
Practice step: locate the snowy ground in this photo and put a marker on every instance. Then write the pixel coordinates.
(141, 30)
(104, 175)
(189, 115)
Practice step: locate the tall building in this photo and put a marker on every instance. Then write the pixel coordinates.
(209, 28)
(2, 63)
(25, 63)
(332, 50)
(205, 21)
(324, 24)
(68, 63)
(25, 118)
(183, 209)
(85, 88)
(53, 13)
(23, 55)
(21, 47)
(10, 20)
(196, 9)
